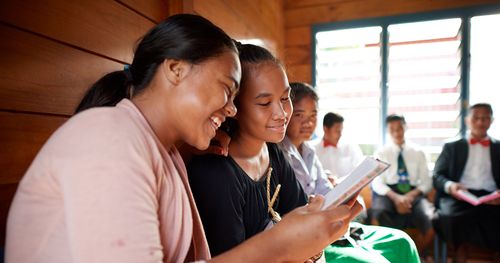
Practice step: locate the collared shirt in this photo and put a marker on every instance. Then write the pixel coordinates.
(416, 166)
(477, 172)
(340, 160)
(307, 168)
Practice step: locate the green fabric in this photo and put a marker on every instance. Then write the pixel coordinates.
(379, 244)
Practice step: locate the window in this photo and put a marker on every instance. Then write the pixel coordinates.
(485, 73)
(424, 80)
(414, 65)
(348, 66)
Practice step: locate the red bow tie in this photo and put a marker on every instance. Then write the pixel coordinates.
(483, 142)
(327, 143)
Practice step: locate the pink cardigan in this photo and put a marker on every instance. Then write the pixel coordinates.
(104, 189)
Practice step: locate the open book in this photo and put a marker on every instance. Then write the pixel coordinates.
(474, 200)
(358, 178)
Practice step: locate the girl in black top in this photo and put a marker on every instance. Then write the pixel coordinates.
(240, 195)
(233, 206)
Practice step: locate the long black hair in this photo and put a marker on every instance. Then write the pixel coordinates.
(187, 37)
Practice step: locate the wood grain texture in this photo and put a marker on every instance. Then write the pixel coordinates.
(298, 55)
(180, 6)
(39, 75)
(259, 20)
(21, 136)
(105, 27)
(156, 10)
(332, 11)
(290, 4)
(300, 73)
(298, 36)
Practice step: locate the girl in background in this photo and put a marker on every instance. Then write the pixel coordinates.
(363, 243)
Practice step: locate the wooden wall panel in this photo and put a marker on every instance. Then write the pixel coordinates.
(180, 6)
(298, 55)
(301, 15)
(40, 75)
(156, 10)
(349, 10)
(300, 73)
(21, 137)
(219, 13)
(289, 4)
(298, 36)
(104, 27)
(247, 19)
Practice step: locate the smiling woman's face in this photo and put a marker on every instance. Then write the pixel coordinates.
(264, 106)
(205, 98)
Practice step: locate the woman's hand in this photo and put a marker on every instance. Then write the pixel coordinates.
(301, 234)
(307, 230)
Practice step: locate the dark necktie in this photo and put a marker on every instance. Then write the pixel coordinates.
(403, 183)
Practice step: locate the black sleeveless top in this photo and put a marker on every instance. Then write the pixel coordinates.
(232, 206)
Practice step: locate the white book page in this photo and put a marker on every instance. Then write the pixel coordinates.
(358, 178)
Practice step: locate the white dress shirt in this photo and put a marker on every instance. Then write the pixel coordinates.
(307, 168)
(340, 160)
(416, 166)
(477, 172)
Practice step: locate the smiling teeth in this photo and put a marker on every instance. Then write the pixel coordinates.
(216, 121)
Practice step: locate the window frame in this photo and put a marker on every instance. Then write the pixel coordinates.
(465, 14)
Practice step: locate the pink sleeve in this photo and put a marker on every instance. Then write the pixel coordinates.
(110, 201)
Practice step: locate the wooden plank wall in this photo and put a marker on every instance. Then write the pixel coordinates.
(247, 19)
(300, 15)
(51, 52)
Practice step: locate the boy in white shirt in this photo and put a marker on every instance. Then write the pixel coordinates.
(338, 157)
(399, 199)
